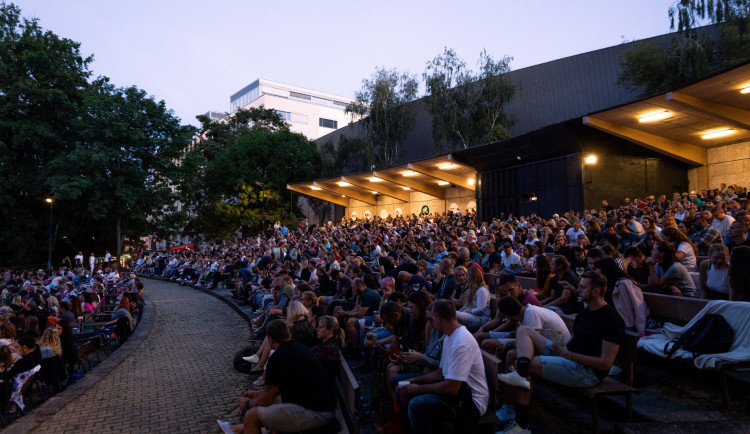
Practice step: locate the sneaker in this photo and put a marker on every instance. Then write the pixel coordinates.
(506, 413)
(513, 428)
(615, 370)
(252, 359)
(225, 427)
(515, 380)
(259, 383)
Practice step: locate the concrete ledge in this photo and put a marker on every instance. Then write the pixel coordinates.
(56, 403)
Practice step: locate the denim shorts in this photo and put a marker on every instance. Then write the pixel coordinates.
(564, 372)
(499, 335)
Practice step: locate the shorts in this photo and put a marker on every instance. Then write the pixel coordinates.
(564, 372)
(287, 417)
(499, 335)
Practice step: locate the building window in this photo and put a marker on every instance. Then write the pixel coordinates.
(327, 123)
(296, 96)
(284, 116)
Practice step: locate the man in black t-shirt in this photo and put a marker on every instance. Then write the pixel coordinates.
(584, 361)
(307, 397)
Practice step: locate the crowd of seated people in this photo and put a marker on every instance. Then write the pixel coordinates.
(380, 280)
(42, 317)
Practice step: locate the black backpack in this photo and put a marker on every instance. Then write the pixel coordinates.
(711, 334)
(241, 365)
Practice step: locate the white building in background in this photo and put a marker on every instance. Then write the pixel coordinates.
(307, 111)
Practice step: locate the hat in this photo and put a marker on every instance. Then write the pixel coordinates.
(700, 215)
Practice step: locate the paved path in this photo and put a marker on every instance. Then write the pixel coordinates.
(180, 379)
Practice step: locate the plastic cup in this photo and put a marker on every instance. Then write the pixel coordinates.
(403, 383)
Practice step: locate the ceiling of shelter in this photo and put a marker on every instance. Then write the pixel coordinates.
(685, 122)
(431, 176)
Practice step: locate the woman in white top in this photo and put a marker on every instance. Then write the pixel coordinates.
(475, 309)
(685, 250)
(714, 274)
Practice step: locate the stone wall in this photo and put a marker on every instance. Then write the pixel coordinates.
(726, 164)
(459, 198)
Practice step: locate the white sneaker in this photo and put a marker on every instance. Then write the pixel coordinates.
(225, 427)
(252, 359)
(506, 413)
(615, 370)
(513, 428)
(513, 379)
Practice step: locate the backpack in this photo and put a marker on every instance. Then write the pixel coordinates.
(711, 334)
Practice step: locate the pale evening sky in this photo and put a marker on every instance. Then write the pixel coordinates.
(195, 54)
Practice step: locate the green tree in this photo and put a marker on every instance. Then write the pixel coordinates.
(240, 173)
(466, 106)
(384, 114)
(692, 52)
(124, 165)
(42, 78)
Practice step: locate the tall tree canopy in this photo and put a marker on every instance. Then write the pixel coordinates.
(692, 52)
(105, 155)
(385, 118)
(240, 170)
(466, 106)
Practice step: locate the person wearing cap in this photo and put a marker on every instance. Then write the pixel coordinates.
(704, 235)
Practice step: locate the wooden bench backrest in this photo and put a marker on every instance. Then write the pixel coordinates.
(349, 390)
(527, 282)
(678, 310)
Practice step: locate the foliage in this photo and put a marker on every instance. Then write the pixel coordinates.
(385, 118)
(467, 107)
(239, 174)
(693, 52)
(105, 155)
(321, 209)
(348, 156)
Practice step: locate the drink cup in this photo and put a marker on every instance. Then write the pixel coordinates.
(403, 383)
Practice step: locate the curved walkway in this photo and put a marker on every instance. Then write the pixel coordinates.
(180, 378)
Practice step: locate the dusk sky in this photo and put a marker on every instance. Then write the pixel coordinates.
(195, 54)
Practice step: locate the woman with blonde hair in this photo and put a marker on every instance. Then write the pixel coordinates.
(475, 302)
(49, 343)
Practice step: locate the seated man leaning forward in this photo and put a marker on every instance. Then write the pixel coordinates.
(455, 393)
(293, 371)
(597, 334)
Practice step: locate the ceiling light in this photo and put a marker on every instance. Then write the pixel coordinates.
(471, 181)
(654, 116)
(590, 159)
(343, 184)
(315, 188)
(373, 192)
(343, 195)
(745, 89)
(443, 182)
(375, 179)
(408, 173)
(717, 133)
(447, 166)
(406, 188)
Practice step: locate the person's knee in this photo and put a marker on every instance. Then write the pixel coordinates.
(490, 345)
(524, 331)
(252, 418)
(350, 323)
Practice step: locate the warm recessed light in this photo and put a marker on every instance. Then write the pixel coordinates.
(406, 188)
(745, 90)
(471, 181)
(373, 192)
(443, 182)
(446, 166)
(343, 195)
(315, 188)
(408, 173)
(374, 179)
(723, 132)
(343, 184)
(654, 116)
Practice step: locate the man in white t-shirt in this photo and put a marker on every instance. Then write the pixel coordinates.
(574, 231)
(461, 373)
(509, 258)
(721, 220)
(541, 319)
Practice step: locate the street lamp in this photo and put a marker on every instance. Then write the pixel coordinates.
(49, 246)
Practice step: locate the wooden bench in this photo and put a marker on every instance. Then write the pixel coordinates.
(348, 391)
(680, 310)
